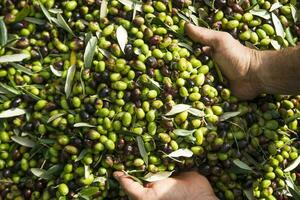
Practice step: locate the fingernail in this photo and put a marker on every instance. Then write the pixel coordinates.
(117, 175)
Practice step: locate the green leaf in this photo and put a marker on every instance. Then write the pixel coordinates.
(261, 13)
(83, 124)
(3, 33)
(13, 58)
(103, 9)
(183, 132)
(23, 13)
(88, 191)
(22, 69)
(275, 6)
(292, 118)
(154, 83)
(55, 11)
(278, 26)
(45, 11)
(196, 112)
(242, 165)
(122, 37)
(82, 154)
(228, 115)
(152, 177)
(13, 112)
(142, 149)
(23, 141)
(105, 53)
(275, 44)
(90, 51)
(293, 165)
(130, 4)
(37, 172)
(249, 194)
(292, 188)
(181, 153)
(69, 80)
(8, 89)
(35, 20)
(178, 109)
(53, 117)
(294, 13)
(55, 71)
(289, 37)
(63, 24)
(185, 45)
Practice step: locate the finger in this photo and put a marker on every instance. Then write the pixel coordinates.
(202, 35)
(131, 187)
(207, 50)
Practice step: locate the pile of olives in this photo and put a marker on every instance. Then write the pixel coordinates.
(89, 87)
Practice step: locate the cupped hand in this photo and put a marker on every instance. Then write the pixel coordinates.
(187, 186)
(237, 62)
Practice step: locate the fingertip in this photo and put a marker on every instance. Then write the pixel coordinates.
(118, 175)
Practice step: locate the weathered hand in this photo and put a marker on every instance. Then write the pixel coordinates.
(188, 186)
(237, 62)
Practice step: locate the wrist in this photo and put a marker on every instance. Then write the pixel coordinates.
(256, 74)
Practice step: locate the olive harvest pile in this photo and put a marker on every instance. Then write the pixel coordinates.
(88, 87)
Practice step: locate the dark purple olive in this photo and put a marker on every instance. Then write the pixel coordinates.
(151, 62)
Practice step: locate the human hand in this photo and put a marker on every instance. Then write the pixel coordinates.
(188, 186)
(237, 62)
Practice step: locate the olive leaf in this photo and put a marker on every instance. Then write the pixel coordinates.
(131, 4)
(55, 11)
(261, 13)
(82, 82)
(63, 24)
(210, 3)
(250, 45)
(13, 58)
(90, 52)
(103, 9)
(183, 132)
(151, 177)
(275, 44)
(88, 192)
(35, 20)
(294, 13)
(289, 37)
(154, 83)
(227, 115)
(183, 16)
(249, 194)
(122, 37)
(69, 80)
(181, 153)
(3, 33)
(23, 141)
(100, 179)
(53, 117)
(46, 13)
(82, 154)
(13, 112)
(196, 112)
(23, 13)
(292, 188)
(142, 149)
(8, 89)
(83, 124)
(185, 45)
(178, 109)
(242, 165)
(22, 69)
(293, 165)
(278, 26)
(275, 6)
(104, 52)
(55, 71)
(37, 172)
(292, 118)
(86, 171)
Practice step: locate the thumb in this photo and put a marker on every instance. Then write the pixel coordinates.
(202, 35)
(131, 187)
